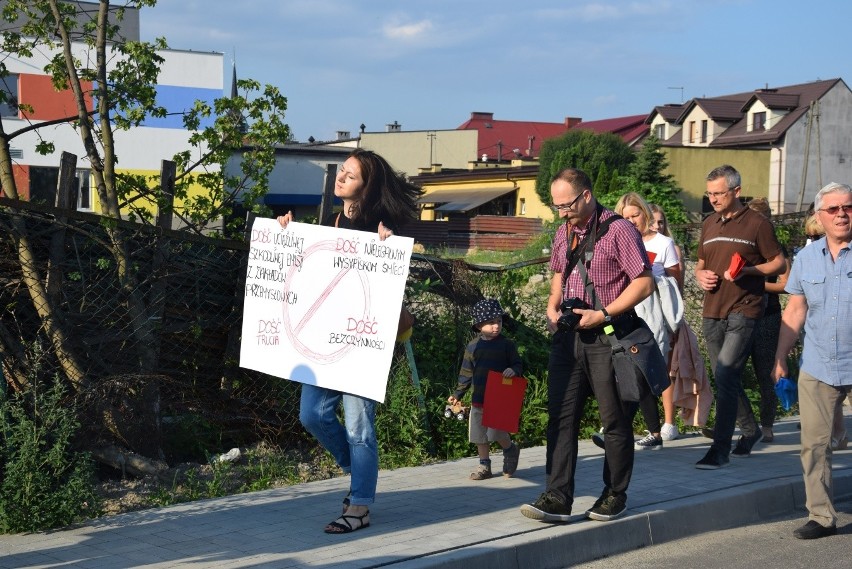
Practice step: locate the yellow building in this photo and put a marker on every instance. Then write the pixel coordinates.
(485, 187)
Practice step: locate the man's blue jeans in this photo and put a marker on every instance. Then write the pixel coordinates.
(354, 446)
(729, 345)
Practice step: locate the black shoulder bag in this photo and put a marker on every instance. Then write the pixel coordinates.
(636, 357)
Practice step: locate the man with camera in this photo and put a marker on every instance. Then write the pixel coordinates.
(613, 257)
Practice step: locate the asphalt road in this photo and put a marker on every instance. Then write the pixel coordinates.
(770, 544)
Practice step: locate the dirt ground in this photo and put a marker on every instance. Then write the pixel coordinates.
(189, 481)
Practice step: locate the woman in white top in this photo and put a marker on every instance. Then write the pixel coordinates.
(660, 224)
(665, 262)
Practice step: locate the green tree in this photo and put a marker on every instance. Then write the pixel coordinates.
(614, 184)
(581, 149)
(602, 180)
(651, 163)
(124, 75)
(647, 177)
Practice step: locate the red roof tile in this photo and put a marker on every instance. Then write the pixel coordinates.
(631, 129)
(498, 136)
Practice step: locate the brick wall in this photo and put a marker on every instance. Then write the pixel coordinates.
(489, 232)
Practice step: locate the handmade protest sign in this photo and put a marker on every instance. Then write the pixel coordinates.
(322, 305)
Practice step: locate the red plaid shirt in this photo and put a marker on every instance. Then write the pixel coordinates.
(619, 258)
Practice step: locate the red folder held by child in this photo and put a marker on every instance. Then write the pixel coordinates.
(651, 256)
(504, 397)
(737, 264)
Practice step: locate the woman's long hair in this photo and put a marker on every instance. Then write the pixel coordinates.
(657, 209)
(387, 196)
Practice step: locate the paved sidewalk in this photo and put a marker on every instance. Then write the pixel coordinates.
(433, 516)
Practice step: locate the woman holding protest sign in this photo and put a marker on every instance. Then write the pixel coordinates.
(375, 199)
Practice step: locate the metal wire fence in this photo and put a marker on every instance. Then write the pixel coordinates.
(144, 324)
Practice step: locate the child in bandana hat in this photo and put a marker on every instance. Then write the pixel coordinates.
(489, 351)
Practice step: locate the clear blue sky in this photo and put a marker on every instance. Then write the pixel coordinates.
(428, 63)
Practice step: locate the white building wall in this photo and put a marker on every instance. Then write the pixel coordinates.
(192, 69)
(138, 148)
(692, 124)
(180, 68)
(669, 129)
(301, 175)
(829, 153)
(756, 107)
(775, 192)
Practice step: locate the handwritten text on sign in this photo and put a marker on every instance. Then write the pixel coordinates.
(322, 305)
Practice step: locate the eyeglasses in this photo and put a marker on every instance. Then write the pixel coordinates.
(567, 206)
(712, 195)
(835, 209)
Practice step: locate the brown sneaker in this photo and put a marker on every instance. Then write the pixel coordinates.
(481, 473)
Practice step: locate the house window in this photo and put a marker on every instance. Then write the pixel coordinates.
(84, 195)
(43, 183)
(703, 131)
(523, 206)
(661, 131)
(691, 131)
(759, 121)
(9, 96)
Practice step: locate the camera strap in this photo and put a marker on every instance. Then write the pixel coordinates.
(582, 250)
(609, 330)
(597, 231)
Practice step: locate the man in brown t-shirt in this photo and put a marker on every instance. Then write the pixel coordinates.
(732, 304)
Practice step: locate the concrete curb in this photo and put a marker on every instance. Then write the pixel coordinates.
(589, 540)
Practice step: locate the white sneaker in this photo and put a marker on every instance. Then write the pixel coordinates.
(668, 432)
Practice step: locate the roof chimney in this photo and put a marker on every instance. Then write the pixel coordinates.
(394, 127)
(343, 134)
(481, 116)
(571, 122)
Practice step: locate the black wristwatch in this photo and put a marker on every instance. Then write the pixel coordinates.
(607, 317)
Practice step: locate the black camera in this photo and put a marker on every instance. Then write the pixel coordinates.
(568, 321)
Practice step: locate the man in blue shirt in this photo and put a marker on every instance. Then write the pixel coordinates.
(820, 287)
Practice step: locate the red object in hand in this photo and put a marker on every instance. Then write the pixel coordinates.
(737, 264)
(651, 256)
(504, 398)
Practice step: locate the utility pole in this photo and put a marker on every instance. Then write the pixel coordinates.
(819, 149)
(809, 127)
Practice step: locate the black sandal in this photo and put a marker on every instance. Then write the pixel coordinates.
(346, 502)
(344, 525)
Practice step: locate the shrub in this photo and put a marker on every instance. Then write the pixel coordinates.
(45, 482)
